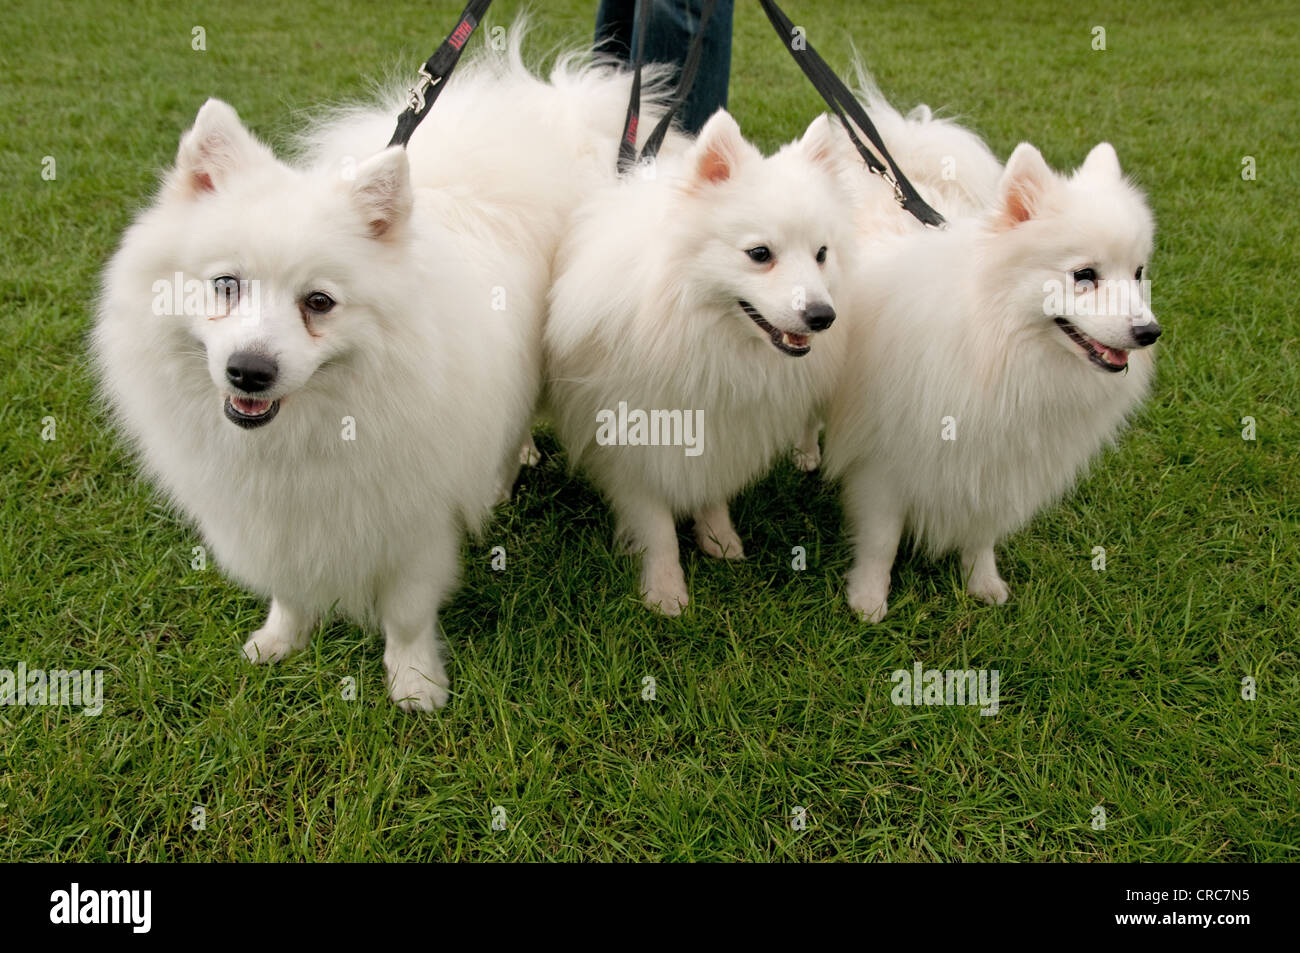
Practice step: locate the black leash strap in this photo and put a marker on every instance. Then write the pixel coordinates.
(627, 156)
(434, 73)
(846, 107)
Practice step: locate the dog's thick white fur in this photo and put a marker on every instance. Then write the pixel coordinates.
(663, 302)
(951, 166)
(400, 302)
(965, 406)
(504, 141)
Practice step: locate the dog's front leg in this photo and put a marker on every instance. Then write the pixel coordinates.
(646, 525)
(287, 630)
(529, 455)
(526, 456)
(980, 570)
(808, 451)
(408, 611)
(877, 518)
(715, 534)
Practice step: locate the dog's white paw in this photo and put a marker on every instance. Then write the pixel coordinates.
(664, 591)
(416, 679)
(869, 599)
(270, 644)
(991, 589)
(725, 545)
(529, 455)
(808, 459)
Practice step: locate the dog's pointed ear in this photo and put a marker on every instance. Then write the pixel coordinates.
(1025, 181)
(823, 143)
(215, 148)
(720, 150)
(1102, 162)
(382, 193)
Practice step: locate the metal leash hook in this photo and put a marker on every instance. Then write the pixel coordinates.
(899, 197)
(438, 67)
(851, 114)
(416, 100)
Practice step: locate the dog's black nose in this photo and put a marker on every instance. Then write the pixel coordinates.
(1146, 334)
(251, 372)
(819, 316)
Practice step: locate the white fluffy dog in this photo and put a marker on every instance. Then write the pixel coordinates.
(991, 361)
(690, 335)
(330, 367)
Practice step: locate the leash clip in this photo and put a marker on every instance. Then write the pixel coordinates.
(899, 197)
(416, 101)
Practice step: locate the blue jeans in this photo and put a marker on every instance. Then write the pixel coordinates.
(672, 25)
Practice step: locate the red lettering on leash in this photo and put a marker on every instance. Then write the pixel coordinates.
(461, 33)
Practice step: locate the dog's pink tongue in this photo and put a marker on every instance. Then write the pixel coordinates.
(250, 407)
(1116, 357)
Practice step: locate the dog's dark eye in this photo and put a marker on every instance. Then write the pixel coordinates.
(1138, 274)
(318, 302)
(821, 255)
(227, 289)
(760, 253)
(1085, 276)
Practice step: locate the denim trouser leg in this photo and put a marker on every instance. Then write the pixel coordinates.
(672, 25)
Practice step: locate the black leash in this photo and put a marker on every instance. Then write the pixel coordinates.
(846, 107)
(627, 155)
(433, 74)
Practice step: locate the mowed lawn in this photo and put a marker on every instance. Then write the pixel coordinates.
(1120, 689)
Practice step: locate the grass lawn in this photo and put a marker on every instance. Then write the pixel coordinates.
(1120, 689)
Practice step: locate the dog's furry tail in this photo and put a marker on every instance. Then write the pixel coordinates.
(940, 156)
(590, 90)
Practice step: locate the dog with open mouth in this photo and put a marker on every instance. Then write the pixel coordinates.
(344, 390)
(317, 407)
(706, 285)
(992, 361)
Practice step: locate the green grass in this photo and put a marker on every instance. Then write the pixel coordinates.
(1119, 689)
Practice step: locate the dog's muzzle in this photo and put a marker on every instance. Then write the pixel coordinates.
(796, 345)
